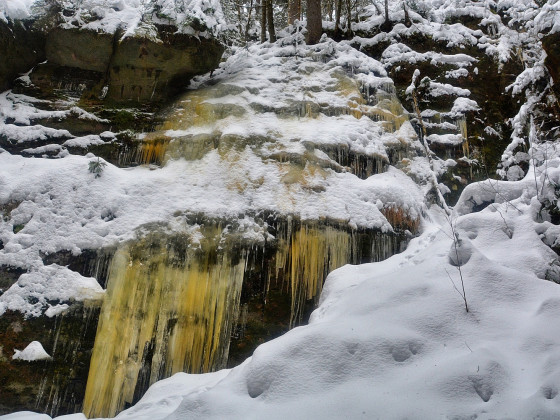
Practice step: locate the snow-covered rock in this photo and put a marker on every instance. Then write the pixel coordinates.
(33, 352)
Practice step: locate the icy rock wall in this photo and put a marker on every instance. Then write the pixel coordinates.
(307, 255)
(166, 311)
(53, 386)
(302, 150)
(212, 117)
(173, 301)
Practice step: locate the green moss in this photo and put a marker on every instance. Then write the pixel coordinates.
(18, 228)
(123, 119)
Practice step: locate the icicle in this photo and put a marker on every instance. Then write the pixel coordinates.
(180, 304)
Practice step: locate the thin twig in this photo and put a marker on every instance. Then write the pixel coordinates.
(458, 262)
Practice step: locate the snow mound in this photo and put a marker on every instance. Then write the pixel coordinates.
(34, 351)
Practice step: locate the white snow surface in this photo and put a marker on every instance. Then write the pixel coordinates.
(392, 340)
(134, 17)
(34, 351)
(450, 139)
(45, 284)
(15, 9)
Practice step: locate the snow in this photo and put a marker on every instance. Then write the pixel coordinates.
(26, 415)
(450, 139)
(392, 340)
(23, 134)
(15, 9)
(138, 17)
(396, 53)
(134, 17)
(84, 141)
(34, 351)
(172, 390)
(548, 19)
(48, 283)
(56, 310)
(443, 89)
(270, 89)
(462, 106)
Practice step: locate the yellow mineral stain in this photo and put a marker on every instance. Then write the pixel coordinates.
(178, 306)
(388, 110)
(462, 126)
(348, 87)
(152, 151)
(306, 258)
(401, 219)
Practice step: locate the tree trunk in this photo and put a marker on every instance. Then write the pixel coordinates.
(337, 14)
(239, 18)
(329, 10)
(263, 20)
(386, 10)
(407, 21)
(386, 26)
(248, 26)
(270, 19)
(314, 21)
(349, 18)
(294, 11)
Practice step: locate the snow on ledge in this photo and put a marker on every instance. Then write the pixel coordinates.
(48, 283)
(34, 351)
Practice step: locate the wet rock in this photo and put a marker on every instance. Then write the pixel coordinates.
(133, 69)
(22, 45)
(53, 386)
(143, 70)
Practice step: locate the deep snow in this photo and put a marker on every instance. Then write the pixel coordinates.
(390, 340)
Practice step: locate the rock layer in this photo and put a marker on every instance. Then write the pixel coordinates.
(134, 68)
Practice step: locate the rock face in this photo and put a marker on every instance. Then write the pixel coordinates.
(144, 70)
(82, 49)
(122, 70)
(56, 385)
(22, 45)
(133, 69)
(84, 78)
(462, 96)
